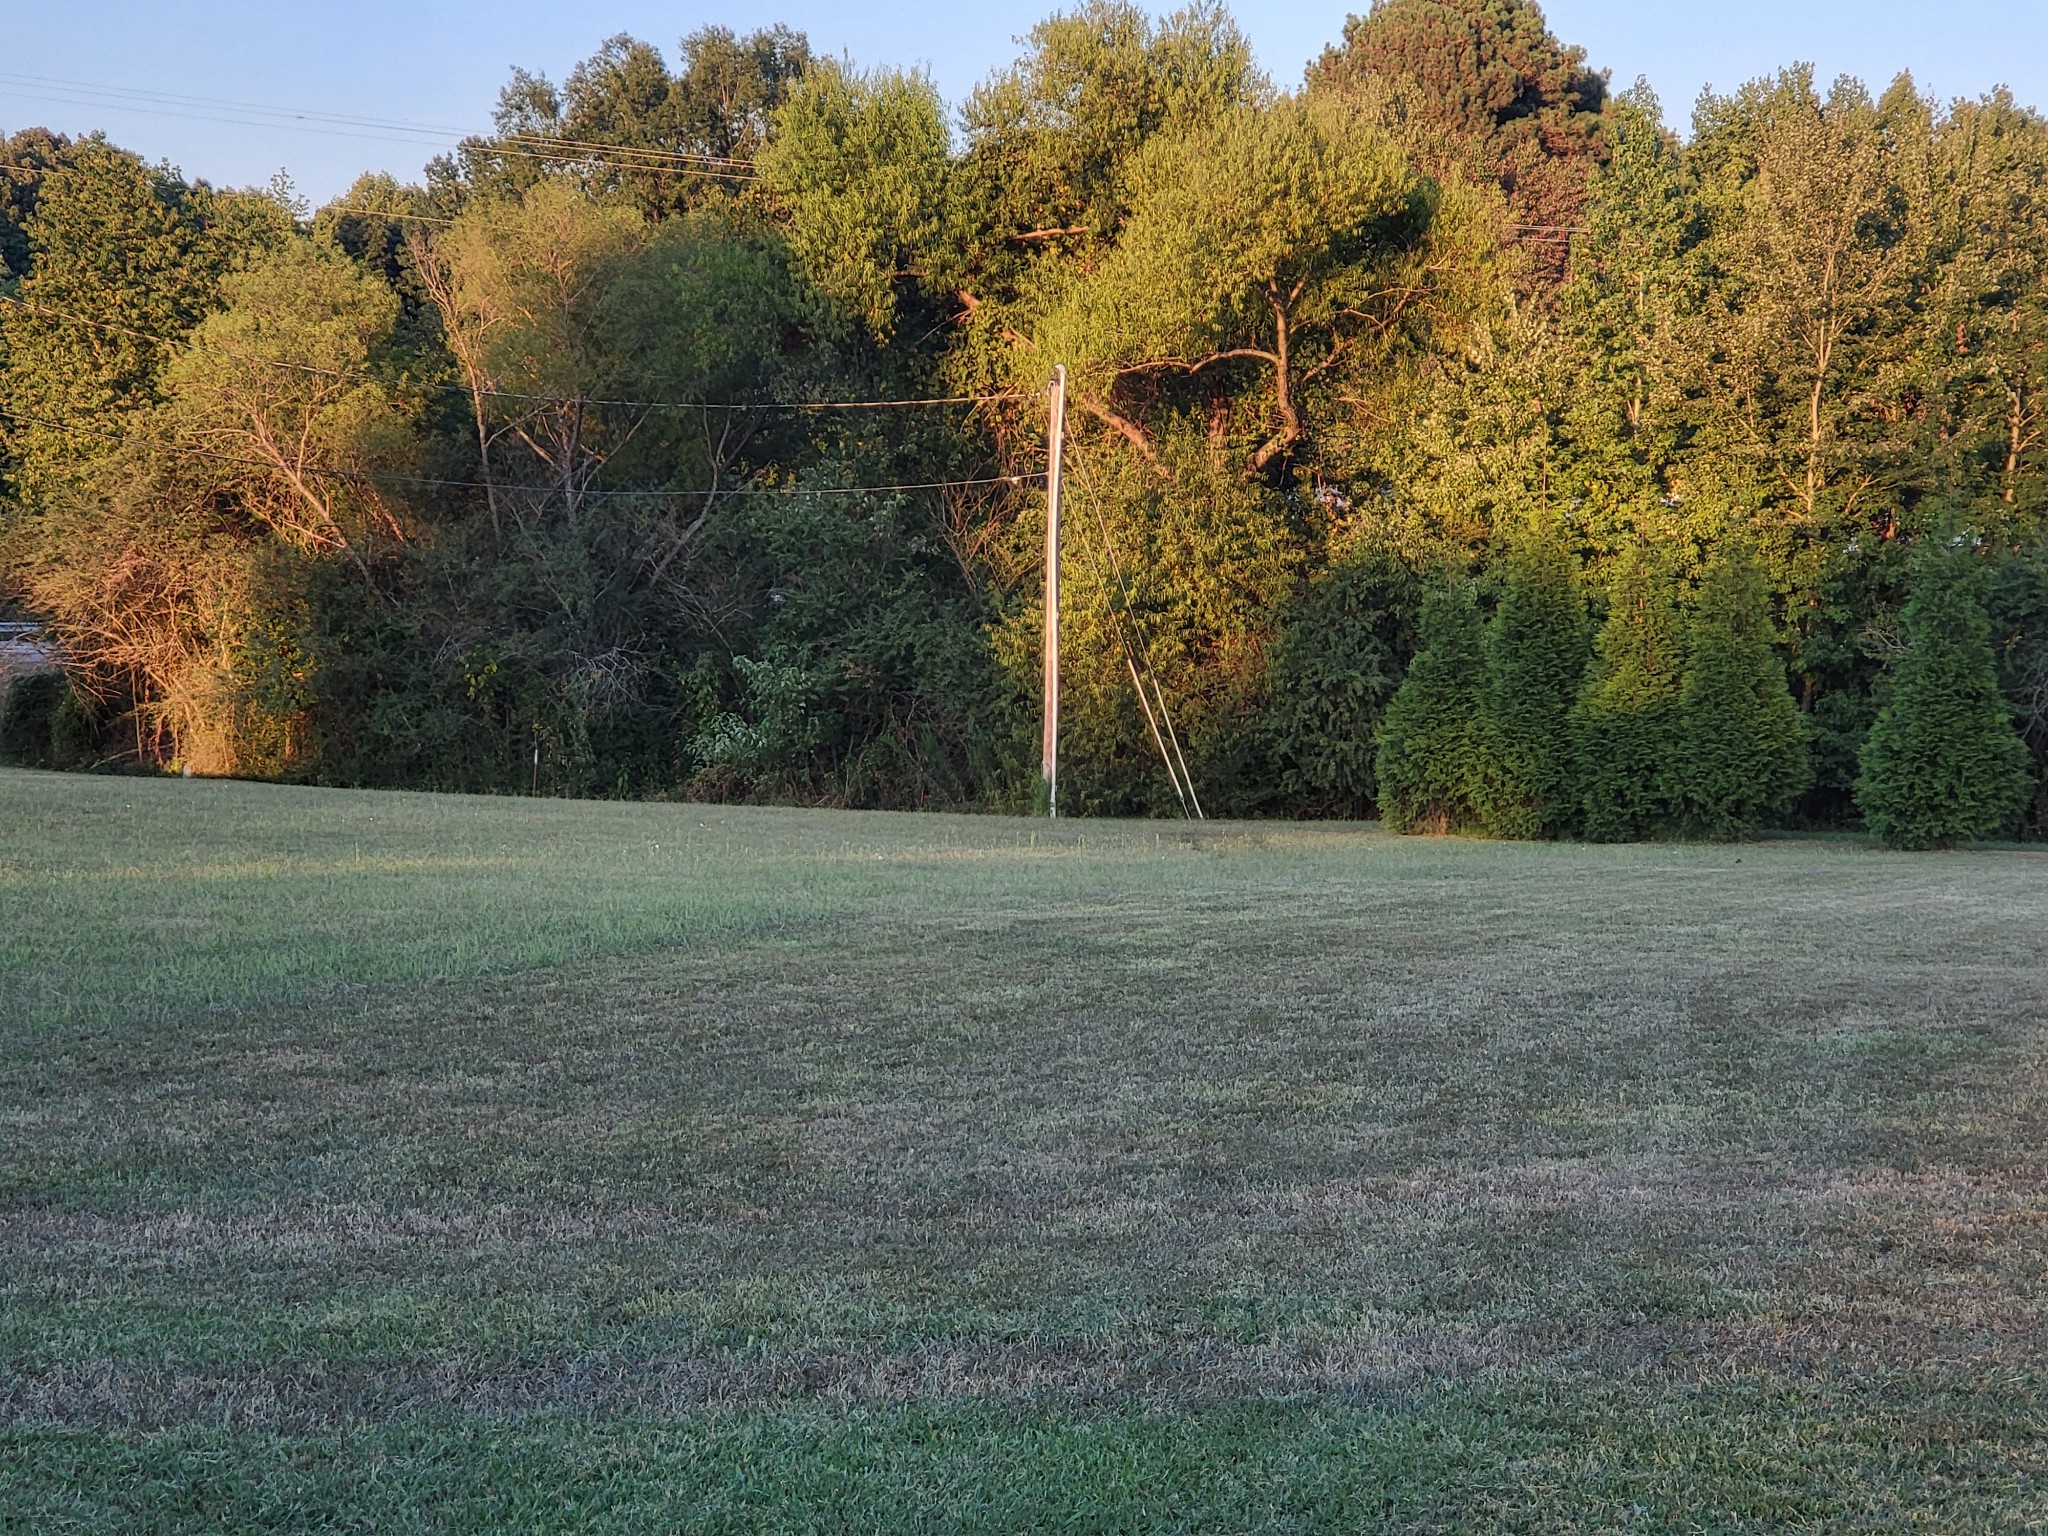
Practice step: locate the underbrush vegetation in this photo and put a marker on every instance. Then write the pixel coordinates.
(382, 1161)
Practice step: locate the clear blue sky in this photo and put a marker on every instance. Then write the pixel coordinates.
(441, 62)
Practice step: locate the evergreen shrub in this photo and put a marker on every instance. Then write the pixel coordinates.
(44, 724)
(1336, 667)
(1428, 762)
(1624, 727)
(1536, 655)
(1943, 763)
(1741, 755)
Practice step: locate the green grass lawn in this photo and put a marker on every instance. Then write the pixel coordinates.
(396, 1162)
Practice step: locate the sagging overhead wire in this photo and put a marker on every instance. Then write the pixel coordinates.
(385, 130)
(377, 477)
(450, 386)
(636, 152)
(27, 83)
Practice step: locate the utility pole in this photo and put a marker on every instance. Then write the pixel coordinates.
(1049, 754)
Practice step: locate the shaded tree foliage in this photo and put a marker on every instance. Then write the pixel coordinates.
(1337, 662)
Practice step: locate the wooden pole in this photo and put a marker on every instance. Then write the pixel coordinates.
(1049, 754)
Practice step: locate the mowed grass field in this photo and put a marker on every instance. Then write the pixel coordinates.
(405, 1163)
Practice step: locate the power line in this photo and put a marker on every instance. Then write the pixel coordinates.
(375, 477)
(581, 157)
(18, 80)
(120, 95)
(383, 213)
(314, 369)
(550, 141)
(539, 147)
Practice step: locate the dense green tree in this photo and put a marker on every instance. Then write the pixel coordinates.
(623, 126)
(1631, 316)
(1492, 94)
(1050, 139)
(1431, 758)
(1045, 182)
(26, 158)
(1812, 227)
(1256, 249)
(2017, 604)
(1943, 764)
(1982, 361)
(1741, 756)
(1625, 724)
(1335, 667)
(125, 259)
(161, 566)
(292, 389)
(1536, 654)
(862, 164)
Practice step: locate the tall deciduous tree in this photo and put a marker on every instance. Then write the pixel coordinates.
(1640, 280)
(1811, 226)
(169, 568)
(281, 393)
(1268, 246)
(624, 126)
(861, 165)
(1984, 314)
(125, 260)
(1046, 181)
(1051, 138)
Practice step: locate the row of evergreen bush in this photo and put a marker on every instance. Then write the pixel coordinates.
(1675, 719)
(1671, 717)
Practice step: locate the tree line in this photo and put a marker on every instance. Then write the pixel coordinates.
(1449, 437)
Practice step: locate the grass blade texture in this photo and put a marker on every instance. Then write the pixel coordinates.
(390, 1162)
